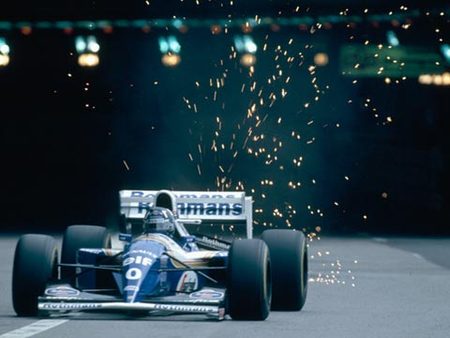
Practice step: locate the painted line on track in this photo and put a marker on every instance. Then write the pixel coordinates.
(34, 328)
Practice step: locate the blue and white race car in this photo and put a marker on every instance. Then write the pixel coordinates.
(161, 268)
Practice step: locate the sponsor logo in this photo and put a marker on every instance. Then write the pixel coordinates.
(64, 306)
(187, 282)
(92, 251)
(207, 294)
(210, 209)
(135, 273)
(145, 261)
(203, 301)
(68, 298)
(131, 288)
(62, 291)
(200, 209)
(183, 308)
(146, 194)
(125, 237)
(144, 252)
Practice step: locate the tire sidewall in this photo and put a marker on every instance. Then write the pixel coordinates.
(35, 263)
(289, 259)
(248, 280)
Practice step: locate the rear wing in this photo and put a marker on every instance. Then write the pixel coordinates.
(208, 206)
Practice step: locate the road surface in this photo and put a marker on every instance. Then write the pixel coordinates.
(359, 287)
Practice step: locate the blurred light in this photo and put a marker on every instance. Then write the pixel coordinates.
(250, 46)
(169, 44)
(68, 30)
(392, 38)
(171, 60)
(246, 28)
(445, 50)
(92, 44)
(321, 59)
(435, 79)
(216, 29)
(245, 44)
(87, 48)
(86, 44)
(183, 29)
(4, 47)
(146, 29)
(248, 59)
(425, 79)
(174, 45)
(163, 45)
(107, 29)
(239, 44)
(177, 23)
(88, 60)
(26, 30)
(4, 60)
(303, 27)
(4, 53)
(80, 44)
(274, 27)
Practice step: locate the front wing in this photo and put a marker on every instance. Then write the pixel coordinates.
(209, 302)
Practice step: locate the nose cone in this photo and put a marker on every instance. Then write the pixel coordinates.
(139, 267)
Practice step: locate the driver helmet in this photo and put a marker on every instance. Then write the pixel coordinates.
(159, 220)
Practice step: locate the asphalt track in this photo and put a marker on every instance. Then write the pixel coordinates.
(360, 287)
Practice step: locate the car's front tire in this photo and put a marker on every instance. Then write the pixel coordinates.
(249, 280)
(82, 236)
(289, 258)
(35, 263)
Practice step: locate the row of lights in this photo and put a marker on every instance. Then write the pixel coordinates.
(435, 79)
(88, 48)
(216, 26)
(171, 48)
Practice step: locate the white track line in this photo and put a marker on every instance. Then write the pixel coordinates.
(34, 328)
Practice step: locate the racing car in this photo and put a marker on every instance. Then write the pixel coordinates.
(161, 268)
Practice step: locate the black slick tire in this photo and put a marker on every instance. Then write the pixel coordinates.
(35, 263)
(289, 259)
(249, 280)
(81, 236)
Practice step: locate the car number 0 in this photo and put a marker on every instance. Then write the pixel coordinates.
(133, 273)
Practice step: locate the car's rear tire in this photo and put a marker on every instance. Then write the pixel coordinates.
(35, 263)
(289, 259)
(249, 280)
(82, 236)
